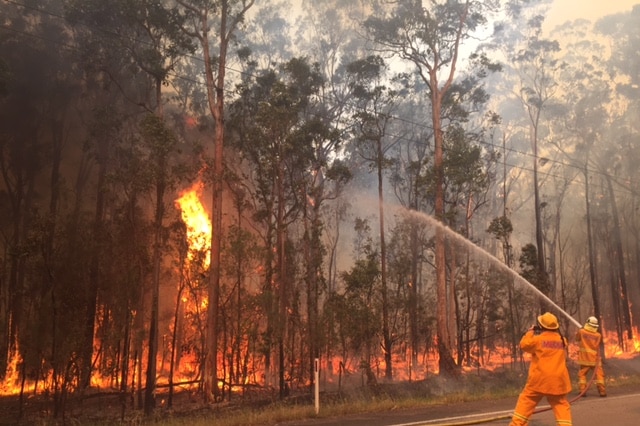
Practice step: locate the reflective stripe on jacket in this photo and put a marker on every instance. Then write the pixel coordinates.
(548, 371)
(589, 344)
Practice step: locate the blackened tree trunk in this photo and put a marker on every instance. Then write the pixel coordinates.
(102, 158)
(621, 282)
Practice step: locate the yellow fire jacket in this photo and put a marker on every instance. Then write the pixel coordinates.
(548, 373)
(588, 341)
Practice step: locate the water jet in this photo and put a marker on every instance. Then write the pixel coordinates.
(482, 252)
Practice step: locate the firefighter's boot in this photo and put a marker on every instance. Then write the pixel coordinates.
(602, 391)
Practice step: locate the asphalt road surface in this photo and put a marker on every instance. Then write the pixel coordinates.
(620, 408)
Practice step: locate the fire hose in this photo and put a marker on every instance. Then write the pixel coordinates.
(508, 416)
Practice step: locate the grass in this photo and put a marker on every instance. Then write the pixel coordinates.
(391, 398)
(283, 413)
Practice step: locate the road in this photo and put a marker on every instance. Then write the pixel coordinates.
(625, 409)
(620, 408)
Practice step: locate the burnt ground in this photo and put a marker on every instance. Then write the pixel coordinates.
(103, 407)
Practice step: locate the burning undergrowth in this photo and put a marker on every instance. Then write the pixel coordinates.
(109, 407)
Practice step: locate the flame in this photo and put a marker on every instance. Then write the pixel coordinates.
(629, 348)
(197, 220)
(11, 383)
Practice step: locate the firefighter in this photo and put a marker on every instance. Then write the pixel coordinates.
(548, 374)
(589, 339)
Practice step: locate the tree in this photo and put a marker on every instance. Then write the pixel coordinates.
(328, 32)
(356, 312)
(537, 66)
(161, 143)
(277, 137)
(501, 228)
(374, 105)
(225, 16)
(588, 97)
(623, 63)
(467, 185)
(621, 30)
(409, 178)
(530, 270)
(431, 39)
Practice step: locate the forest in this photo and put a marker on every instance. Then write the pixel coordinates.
(218, 193)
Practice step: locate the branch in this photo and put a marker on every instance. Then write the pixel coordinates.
(456, 50)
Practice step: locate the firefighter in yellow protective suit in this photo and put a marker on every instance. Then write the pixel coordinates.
(589, 339)
(548, 373)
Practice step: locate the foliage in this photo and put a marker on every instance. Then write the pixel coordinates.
(530, 270)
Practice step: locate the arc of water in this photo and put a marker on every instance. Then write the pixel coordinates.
(479, 250)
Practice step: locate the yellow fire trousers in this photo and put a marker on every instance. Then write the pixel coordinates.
(527, 402)
(585, 370)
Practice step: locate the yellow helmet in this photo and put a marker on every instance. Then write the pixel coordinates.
(593, 322)
(548, 321)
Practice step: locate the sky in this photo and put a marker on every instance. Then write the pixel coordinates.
(569, 10)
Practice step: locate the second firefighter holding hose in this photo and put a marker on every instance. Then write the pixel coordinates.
(589, 339)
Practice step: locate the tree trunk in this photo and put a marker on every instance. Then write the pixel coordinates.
(158, 242)
(619, 263)
(94, 264)
(124, 369)
(447, 364)
(282, 280)
(542, 269)
(215, 96)
(590, 246)
(413, 295)
(386, 332)
(150, 383)
(174, 337)
(313, 261)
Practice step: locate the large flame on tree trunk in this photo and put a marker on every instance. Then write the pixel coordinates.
(197, 220)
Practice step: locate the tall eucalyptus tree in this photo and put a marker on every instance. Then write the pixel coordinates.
(408, 178)
(276, 136)
(588, 97)
(431, 37)
(536, 64)
(468, 178)
(374, 104)
(328, 31)
(213, 23)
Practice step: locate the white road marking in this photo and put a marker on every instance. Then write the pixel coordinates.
(502, 413)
